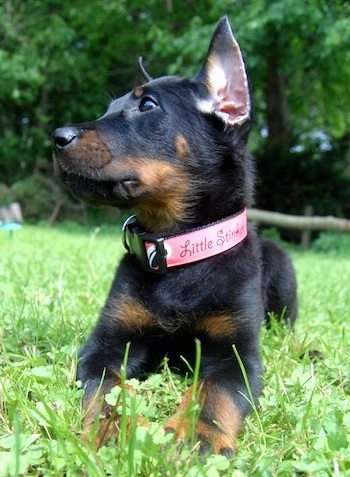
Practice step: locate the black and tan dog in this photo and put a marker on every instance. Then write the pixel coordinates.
(175, 152)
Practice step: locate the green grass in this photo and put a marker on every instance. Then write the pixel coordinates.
(53, 283)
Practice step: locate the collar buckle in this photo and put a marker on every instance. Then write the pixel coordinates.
(147, 248)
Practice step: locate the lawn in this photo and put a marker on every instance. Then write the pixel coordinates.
(53, 283)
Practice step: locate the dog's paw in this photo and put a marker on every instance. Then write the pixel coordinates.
(211, 439)
(100, 425)
(102, 420)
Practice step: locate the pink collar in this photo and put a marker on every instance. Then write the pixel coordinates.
(157, 254)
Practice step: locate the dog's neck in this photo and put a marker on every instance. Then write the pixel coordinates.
(157, 254)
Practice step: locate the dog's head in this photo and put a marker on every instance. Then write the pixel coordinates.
(170, 148)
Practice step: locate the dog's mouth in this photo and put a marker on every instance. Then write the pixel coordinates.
(92, 187)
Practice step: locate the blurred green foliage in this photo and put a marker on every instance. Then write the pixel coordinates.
(62, 61)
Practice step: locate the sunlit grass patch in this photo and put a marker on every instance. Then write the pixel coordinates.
(53, 284)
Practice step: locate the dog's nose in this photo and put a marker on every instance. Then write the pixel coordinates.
(64, 136)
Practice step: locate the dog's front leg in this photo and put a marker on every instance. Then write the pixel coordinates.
(121, 338)
(224, 401)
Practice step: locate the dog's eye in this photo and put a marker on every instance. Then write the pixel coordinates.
(147, 104)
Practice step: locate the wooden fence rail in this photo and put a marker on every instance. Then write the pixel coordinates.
(296, 222)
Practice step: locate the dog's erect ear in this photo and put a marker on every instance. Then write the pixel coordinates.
(142, 70)
(225, 78)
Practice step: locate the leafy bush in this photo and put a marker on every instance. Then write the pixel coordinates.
(332, 243)
(291, 181)
(37, 196)
(5, 195)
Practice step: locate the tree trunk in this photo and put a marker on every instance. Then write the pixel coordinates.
(277, 111)
(41, 124)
